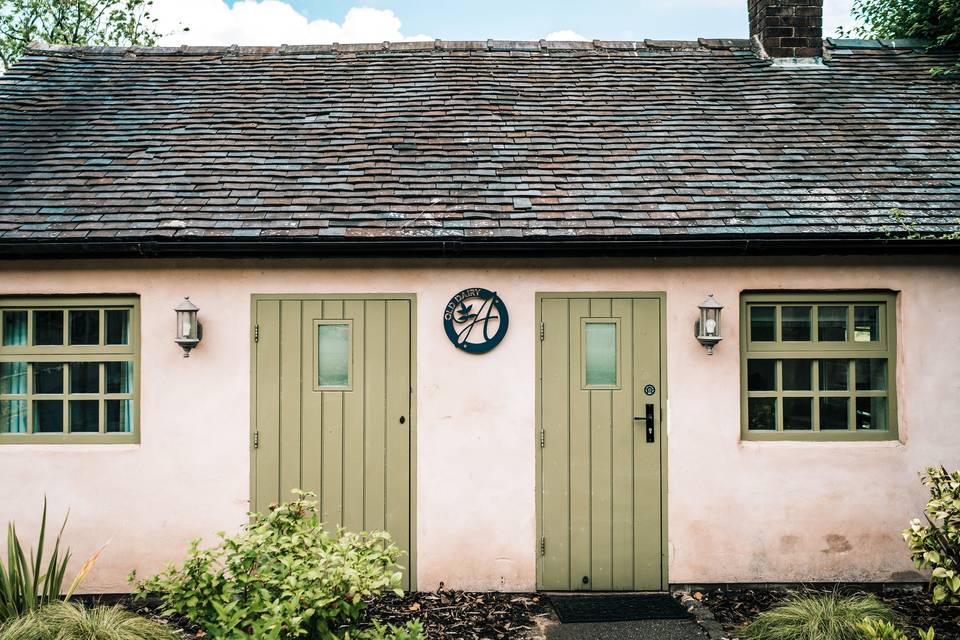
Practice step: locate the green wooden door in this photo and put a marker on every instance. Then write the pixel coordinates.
(333, 410)
(601, 491)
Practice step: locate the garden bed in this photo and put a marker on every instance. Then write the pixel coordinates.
(734, 608)
(444, 614)
(460, 614)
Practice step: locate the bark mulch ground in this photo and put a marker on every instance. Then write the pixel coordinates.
(734, 608)
(460, 614)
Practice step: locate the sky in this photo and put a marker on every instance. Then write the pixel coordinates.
(275, 22)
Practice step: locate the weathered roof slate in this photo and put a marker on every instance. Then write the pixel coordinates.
(474, 140)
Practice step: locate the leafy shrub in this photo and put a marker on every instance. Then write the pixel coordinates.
(825, 616)
(282, 576)
(23, 587)
(70, 621)
(882, 630)
(412, 630)
(936, 544)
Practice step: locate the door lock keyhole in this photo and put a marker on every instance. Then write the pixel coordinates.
(403, 419)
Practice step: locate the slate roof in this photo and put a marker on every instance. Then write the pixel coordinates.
(487, 141)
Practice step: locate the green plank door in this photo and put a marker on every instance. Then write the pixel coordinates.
(600, 480)
(332, 408)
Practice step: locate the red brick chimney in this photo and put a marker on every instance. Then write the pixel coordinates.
(788, 28)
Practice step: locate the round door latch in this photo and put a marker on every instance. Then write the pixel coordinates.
(586, 580)
(403, 419)
(649, 389)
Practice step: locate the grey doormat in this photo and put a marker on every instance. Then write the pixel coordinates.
(617, 607)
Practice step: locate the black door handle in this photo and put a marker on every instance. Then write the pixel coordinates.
(650, 427)
(648, 420)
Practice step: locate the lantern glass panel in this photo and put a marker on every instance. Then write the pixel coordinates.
(712, 322)
(186, 325)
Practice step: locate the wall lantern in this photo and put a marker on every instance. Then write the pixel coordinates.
(189, 330)
(707, 328)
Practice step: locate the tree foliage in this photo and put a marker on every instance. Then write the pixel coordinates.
(116, 23)
(937, 21)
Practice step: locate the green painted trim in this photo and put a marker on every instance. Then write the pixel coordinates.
(77, 353)
(885, 348)
(408, 297)
(661, 298)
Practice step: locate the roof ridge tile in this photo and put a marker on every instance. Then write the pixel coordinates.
(400, 47)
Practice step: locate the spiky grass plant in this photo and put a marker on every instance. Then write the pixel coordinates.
(73, 621)
(26, 583)
(820, 616)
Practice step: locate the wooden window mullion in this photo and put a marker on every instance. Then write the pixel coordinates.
(64, 398)
(852, 401)
(778, 386)
(850, 327)
(815, 386)
(101, 390)
(29, 394)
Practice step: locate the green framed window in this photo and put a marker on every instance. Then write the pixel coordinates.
(69, 370)
(333, 355)
(818, 366)
(600, 366)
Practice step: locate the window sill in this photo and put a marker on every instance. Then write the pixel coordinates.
(822, 437)
(109, 441)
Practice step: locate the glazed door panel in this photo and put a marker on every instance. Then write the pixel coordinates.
(333, 410)
(600, 455)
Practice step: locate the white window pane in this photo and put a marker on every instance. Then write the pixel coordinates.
(601, 348)
(14, 328)
(118, 326)
(13, 416)
(48, 416)
(48, 327)
(84, 326)
(333, 355)
(119, 416)
(832, 323)
(119, 377)
(871, 414)
(84, 416)
(866, 324)
(13, 378)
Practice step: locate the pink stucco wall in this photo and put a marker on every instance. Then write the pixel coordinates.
(738, 511)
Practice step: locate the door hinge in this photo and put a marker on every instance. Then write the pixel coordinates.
(256, 333)
(256, 439)
(541, 332)
(543, 546)
(543, 437)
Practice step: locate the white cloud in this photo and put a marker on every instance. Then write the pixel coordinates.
(836, 13)
(268, 22)
(564, 35)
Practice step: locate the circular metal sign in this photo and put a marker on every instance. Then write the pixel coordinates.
(475, 320)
